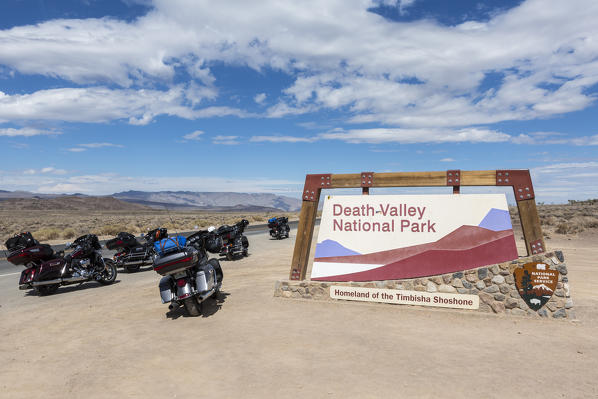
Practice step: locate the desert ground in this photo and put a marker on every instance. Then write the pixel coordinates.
(93, 341)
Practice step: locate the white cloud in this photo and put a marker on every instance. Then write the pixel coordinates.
(26, 131)
(44, 171)
(416, 75)
(100, 145)
(260, 98)
(281, 139)
(554, 138)
(101, 104)
(194, 135)
(447, 160)
(564, 181)
(411, 136)
(86, 146)
(225, 140)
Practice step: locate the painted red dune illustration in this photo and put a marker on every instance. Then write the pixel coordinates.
(465, 248)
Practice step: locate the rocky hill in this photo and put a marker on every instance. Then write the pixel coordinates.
(139, 200)
(211, 200)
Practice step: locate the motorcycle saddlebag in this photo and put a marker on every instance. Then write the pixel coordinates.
(122, 240)
(170, 244)
(176, 261)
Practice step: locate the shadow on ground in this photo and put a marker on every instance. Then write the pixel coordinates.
(72, 287)
(208, 307)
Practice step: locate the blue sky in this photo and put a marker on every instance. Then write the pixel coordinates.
(104, 96)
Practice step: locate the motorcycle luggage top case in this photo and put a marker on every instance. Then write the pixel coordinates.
(122, 240)
(23, 256)
(176, 261)
(170, 244)
(22, 240)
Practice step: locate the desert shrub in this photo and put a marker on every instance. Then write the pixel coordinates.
(257, 218)
(549, 220)
(48, 233)
(568, 228)
(68, 233)
(113, 229)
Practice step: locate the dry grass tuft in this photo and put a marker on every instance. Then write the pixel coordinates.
(48, 233)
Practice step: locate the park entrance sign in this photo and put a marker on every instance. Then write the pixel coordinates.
(389, 237)
(447, 251)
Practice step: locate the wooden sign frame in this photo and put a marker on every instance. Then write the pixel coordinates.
(519, 179)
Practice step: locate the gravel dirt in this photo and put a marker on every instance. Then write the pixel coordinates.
(92, 341)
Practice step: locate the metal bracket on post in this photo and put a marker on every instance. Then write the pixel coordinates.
(453, 178)
(537, 247)
(520, 180)
(295, 275)
(367, 180)
(313, 183)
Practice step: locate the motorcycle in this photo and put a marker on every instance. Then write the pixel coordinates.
(189, 277)
(279, 227)
(233, 242)
(46, 270)
(131, 254)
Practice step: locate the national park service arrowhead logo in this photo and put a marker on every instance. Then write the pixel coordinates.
(536, 283)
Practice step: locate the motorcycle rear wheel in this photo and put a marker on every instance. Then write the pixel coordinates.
(50, 289)
(193, 307)
(108, 275)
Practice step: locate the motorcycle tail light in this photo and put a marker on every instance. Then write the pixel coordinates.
(181, 282)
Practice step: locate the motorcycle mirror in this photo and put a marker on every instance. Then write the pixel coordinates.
(195, 227)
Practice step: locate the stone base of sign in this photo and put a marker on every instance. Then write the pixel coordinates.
(494, 284)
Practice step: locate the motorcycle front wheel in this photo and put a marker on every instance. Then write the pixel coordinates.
(108, 275)
(193, 307)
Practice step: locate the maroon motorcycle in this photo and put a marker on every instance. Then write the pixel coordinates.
(46, 270)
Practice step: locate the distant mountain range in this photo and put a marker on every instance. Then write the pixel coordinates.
(212, 201)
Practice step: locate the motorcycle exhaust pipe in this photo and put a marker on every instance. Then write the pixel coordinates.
(59, 281)
(139, 262)
(47, 282)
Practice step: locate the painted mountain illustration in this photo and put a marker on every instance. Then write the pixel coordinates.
(497, 220)
(332, 248)
(542, 290)
(464, 248)
(541, 287)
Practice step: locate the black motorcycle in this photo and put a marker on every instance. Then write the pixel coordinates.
(279, 227)
(131, 253)
(189, 277)
(233, 243)
(46, 270)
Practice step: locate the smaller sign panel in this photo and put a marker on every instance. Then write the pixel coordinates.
(536, 283)
(401, 297)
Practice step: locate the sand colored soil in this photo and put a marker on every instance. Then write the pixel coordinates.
(119, 341)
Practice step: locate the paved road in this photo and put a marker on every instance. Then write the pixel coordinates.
(8, 269)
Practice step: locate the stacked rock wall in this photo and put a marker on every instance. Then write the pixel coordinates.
(494, 284)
